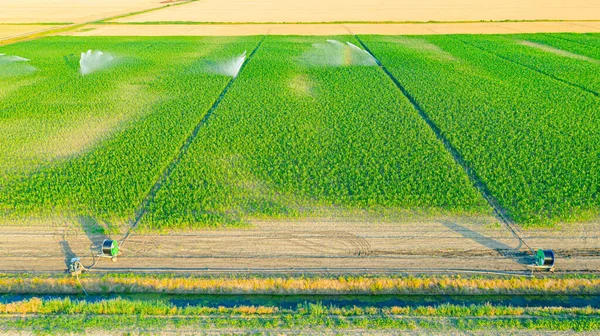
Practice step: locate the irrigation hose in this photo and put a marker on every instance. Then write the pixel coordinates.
(183, 150)
(80, 284)
(487, 197)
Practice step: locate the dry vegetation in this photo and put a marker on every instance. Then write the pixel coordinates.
(127, 283)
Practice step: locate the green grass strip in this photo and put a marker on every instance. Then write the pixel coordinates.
(65, 315)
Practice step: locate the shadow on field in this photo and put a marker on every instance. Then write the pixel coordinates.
(66, 251)
(95, 232)
(503, 249)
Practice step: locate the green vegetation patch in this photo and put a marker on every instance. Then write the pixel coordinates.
(296, 134)
(563, 59)
(66, 315)
(94, 145)
(531, 139)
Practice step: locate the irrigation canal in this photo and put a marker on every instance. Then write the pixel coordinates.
(345, 301)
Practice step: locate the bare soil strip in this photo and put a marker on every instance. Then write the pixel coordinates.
(459, 244)
(334, 29)
(372, 11)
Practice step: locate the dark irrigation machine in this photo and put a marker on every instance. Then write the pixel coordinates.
(108, 250)
(544, 260)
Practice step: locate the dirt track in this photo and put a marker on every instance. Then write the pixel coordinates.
(8, 31)
(321, 246)
(336, 29)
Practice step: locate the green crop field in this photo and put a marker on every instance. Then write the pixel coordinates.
(76, 145)
(299, 134)
(291, 138)
(563, 60)
(532, 139)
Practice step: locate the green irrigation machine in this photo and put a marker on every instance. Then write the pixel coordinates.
(109, 249)
(544, 260)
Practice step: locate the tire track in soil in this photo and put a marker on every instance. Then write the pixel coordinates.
(325, 243)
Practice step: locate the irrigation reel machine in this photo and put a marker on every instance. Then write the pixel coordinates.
(108, 250)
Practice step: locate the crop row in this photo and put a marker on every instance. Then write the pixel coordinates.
(530, 138)
(144, 106)
(561, 59)
(291, 138)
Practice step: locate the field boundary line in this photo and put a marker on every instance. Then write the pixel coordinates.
(180, 22)
(558, 79)
(144, 11)
(166, 173)
(501, 213)
(314, 270)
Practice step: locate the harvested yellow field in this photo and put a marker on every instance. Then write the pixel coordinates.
(7, 31)
(76, 11)
(372, 11)
(335, 29)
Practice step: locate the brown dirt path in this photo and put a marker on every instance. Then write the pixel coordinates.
(312, 246)
(335, 29)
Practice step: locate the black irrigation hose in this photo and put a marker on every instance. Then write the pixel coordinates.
(143, 209)
(456, 155)
(316, 270)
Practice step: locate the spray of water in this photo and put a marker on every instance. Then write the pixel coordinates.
(301, 85)
(425, 47)
(335, 53)
(558, 52)
(5, 59)
(11, 66)
(92, 61)
(230, 67)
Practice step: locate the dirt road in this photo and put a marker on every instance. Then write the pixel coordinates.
(316, 246)
(335, 29)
